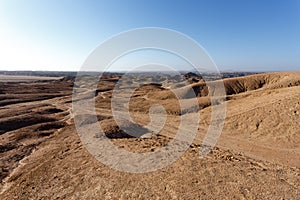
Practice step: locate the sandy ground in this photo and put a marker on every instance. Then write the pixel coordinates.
(256, 157)
(10, 78)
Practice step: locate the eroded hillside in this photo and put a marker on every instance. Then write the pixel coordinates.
(42, 157)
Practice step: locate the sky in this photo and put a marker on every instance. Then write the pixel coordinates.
(239, 35)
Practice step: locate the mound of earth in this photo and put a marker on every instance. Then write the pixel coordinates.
(42, 156)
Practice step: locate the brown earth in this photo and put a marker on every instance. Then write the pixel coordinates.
(256, 157)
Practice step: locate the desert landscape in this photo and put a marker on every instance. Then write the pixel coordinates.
(256, 156)
(149, 100)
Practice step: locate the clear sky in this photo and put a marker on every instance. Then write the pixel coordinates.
(252, 35)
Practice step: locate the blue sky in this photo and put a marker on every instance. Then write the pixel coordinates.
(251, 35)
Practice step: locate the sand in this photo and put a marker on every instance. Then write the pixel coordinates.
(256, 157)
